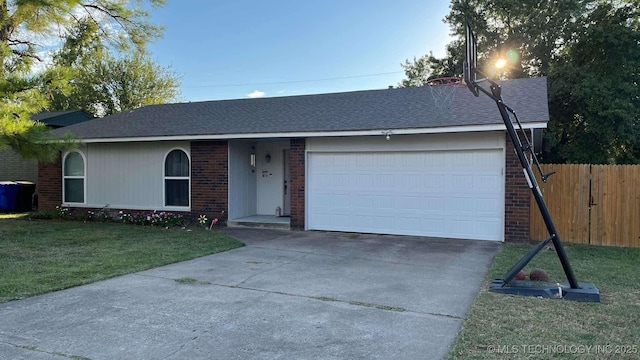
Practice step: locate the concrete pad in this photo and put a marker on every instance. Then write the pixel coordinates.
(286, 295)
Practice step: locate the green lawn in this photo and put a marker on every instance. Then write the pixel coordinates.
(41, 256)
(516, 327)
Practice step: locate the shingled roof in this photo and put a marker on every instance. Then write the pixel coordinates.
(402, 108)
(57, 119)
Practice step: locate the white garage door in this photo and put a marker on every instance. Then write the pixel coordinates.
(456, 194)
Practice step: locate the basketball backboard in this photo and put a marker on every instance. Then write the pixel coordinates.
(573, 290)
(470, 64)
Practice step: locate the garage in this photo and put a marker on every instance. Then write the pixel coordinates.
(405, 190)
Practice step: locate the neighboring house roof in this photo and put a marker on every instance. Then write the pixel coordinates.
(57, 119)
(392, 109)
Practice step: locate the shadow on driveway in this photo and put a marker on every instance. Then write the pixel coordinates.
(286, 295)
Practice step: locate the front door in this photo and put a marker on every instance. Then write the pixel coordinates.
(286, 207)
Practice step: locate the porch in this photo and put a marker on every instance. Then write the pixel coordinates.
(262, 221)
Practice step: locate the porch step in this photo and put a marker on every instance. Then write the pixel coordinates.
(258, 224)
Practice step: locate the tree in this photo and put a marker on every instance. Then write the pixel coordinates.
(589, 51)
(528, 34)
(428, 66)
(27, 28)
(593, 93)
(104, 84)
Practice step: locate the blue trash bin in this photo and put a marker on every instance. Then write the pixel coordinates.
(24, 199)
(8, 196)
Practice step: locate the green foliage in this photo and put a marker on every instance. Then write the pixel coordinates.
(587, 48)
(103, 83)
(593, 92)
(428, 66)
(535, 29)
(144, 218)
(528, 34)
(162, 219)
(20, 93)
(186, 280)
(532, 30)
(28, 29)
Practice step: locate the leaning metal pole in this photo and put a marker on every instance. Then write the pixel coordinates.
(496, 95)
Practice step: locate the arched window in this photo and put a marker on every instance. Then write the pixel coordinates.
(73, 178)
(176, 179)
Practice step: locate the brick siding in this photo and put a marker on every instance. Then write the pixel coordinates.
(209, 179)
(517, 198)
(49, 184)
(297, 168)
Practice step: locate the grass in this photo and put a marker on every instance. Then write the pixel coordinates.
(516, 327)
(186, 280)
(13, 216)
(42, 256)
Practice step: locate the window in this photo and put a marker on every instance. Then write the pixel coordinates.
(176, 179)
(73, 176)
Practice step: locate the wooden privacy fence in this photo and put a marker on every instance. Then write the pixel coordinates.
(591, 204)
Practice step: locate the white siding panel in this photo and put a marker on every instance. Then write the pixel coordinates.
(426, 142)
(242, 180)
(128, 175)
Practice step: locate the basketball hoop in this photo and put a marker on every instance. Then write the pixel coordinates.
(443, 90)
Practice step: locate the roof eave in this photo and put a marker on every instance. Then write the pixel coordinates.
(310, 134)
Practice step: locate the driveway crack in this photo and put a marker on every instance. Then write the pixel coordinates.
(357, 303)
(39, 350)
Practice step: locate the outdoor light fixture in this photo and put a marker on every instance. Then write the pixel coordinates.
(387, 134)
(267, 158)
(252, 158)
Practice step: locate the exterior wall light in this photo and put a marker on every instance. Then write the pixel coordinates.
(252, 157)
(387, 134)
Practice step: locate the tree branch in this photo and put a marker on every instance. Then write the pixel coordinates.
(11, 42)
(102, 9)
(25, 54)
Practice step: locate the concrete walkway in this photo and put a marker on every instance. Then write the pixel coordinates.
(286, 295)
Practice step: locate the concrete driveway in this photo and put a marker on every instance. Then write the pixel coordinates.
(286, 295)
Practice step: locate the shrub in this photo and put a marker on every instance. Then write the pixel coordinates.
(63, 213)
(44, 215)
(153, 218)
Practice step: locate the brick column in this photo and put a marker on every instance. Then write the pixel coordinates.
(50, 184)
(210, 179)
(517, 198)
(297, 164)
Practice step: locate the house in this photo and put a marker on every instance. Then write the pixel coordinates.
(380, 161)
(58, 119)
(13, 167)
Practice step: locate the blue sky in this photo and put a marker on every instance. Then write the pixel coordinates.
(229, 49)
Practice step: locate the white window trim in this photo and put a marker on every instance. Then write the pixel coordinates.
(165, 178)
(84, 178)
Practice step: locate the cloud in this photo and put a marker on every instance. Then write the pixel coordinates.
(256, 94)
